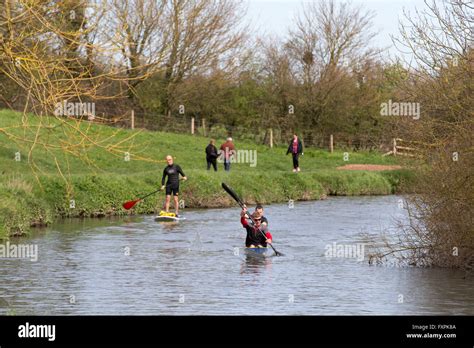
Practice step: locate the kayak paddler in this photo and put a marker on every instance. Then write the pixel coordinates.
(259, 209)
(255, 239)
(172, 171)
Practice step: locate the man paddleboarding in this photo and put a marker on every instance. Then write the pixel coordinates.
(172, 171)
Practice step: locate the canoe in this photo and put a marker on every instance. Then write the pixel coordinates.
(169, 218)
(259, 252)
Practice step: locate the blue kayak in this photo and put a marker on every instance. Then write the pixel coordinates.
(259, 252)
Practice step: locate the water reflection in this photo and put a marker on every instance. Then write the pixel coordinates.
(169, 226)
(255, 265)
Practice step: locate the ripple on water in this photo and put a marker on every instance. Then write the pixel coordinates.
(138, 266)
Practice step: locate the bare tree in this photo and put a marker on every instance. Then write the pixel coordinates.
(138, 31)
(46, 52)
(279, 83)
(441, 217)
(329, 36)
(172, 39)
(203, 33)
(438, 34)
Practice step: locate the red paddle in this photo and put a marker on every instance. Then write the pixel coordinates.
(128, 205)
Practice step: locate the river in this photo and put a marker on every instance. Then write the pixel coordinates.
(136, 266)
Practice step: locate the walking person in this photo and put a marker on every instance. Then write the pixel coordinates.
(227, 150)
(211, 155)
(296, 149)
(172, 171)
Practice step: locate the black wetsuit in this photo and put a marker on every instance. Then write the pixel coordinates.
(172, 185)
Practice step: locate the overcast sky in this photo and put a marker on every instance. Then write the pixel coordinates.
(275, 16)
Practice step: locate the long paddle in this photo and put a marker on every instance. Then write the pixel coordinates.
(128, 205)
(242, 205)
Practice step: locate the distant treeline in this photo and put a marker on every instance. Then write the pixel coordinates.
(166, 59)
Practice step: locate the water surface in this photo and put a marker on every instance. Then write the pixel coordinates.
(137, 266)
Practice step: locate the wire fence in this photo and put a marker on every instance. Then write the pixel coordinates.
(277, 134)
(180, 123)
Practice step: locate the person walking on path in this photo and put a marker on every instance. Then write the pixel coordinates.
(211, 155)
(227, 150)
(296, 149)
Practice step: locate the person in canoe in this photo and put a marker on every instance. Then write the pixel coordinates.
(259, 209)
(255, 239)
(172, 171)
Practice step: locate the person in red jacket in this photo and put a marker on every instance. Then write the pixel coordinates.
(227, 150)
(255, 238)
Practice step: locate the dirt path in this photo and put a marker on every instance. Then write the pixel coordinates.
(370, 167)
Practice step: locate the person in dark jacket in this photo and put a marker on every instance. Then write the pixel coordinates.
(211, 155)
(296, 149)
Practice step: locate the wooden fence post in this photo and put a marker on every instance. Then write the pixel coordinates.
(204, 126)
(394, 146)
(331, 143)
(271, 138)
(192, 125)
(133, 119)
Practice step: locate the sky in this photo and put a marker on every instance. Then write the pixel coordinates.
(274, 17)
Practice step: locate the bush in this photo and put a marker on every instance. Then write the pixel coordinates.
(218, 132)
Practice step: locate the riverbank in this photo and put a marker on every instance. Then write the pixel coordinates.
(84, 191)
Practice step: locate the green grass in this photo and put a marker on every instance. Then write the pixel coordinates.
(28, 199)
